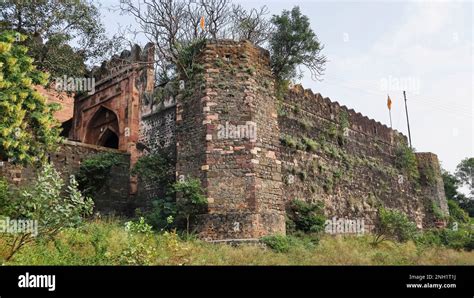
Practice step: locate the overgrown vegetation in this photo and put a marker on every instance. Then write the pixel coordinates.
(94, 172)
(153, 169)
(107, 242)
(405, 160)
(28, 128)
(305, 217)
(395, 225)
(184, 200)
(48, 201)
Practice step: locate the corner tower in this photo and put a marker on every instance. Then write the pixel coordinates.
(228, 137)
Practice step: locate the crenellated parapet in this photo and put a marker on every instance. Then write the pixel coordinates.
(323, 107)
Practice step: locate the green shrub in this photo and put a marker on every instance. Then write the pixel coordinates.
(94, 172)
(395, 225)
(457, 214)
(405, 160)
(49, 202)
(306, 217)
(278, 243)
(153, 169)
(139, 226)
(163, 214)
(288, 141)
(190, 199)
(311, 145)
(461, 238)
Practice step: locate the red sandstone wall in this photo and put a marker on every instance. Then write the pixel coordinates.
(65, 100)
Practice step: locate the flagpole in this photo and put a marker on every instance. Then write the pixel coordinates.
(408, 122)
(390, 114)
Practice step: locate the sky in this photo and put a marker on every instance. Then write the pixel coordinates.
(375, 49)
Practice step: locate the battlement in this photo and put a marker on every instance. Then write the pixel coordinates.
(323, 107)
(134, 58)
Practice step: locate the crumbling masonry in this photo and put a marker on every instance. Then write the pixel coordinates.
(252, 151)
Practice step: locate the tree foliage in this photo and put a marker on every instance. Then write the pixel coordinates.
(51, 28)
(293, 43)
(451, 188)
(28, 129)
(465, 174)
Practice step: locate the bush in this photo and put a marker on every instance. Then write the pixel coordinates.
(395, 225)
(456, 213)
(305, 217)
(153, 168)
(462, 238)
(163, 214)
(138, 227)
(190, 199)
(49, 202)
(405, 160)
(94, 172)
(278, 243)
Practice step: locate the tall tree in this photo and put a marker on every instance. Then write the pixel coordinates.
(175, 25)
(28, 129)
(465, 174)
(52, 27)
(293, 44)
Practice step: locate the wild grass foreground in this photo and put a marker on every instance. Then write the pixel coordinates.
(112, 242)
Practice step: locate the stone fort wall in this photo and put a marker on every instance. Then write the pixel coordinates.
(301, 146)
(350, 162)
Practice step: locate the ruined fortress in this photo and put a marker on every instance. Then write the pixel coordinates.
(253, 151)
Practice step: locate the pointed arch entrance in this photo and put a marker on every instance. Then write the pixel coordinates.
(103, 129)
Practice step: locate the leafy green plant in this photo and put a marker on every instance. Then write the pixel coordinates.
(311, 145)
(190, 199)
(437, 212)
(163, 214)
(278, 243)
(94, 172)
(28, 128)
(305, 217)
(153, 168)
(405, 160)
(395, 225)
(139, 226)
(187, 57)
(288, 141)
(49, 202)
(457, 214)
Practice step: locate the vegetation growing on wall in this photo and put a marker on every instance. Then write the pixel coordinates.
(405, 160)
(153, 169)
(94, 172)
(305, 217)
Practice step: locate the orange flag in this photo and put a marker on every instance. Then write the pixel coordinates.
(202, 23)
(389, 102)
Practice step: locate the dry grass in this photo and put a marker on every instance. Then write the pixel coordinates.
(105, 242)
